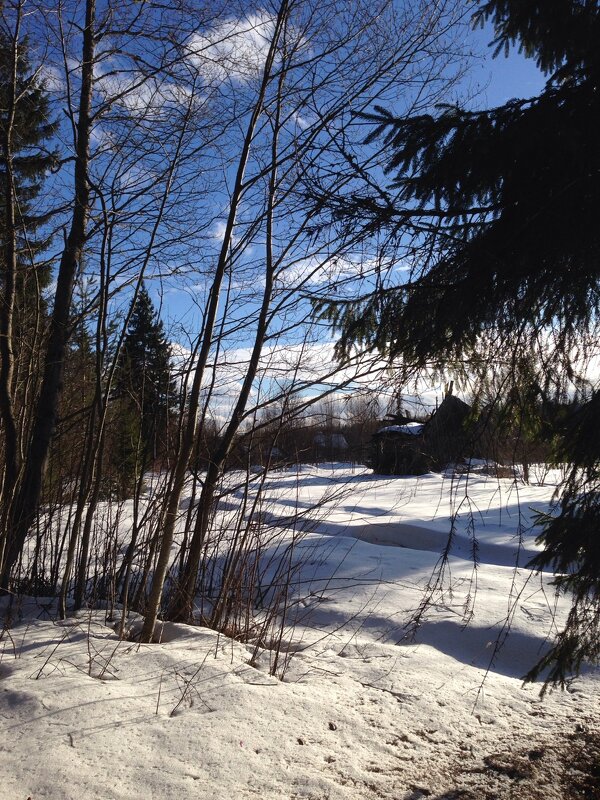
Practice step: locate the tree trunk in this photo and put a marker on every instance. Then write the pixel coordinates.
(189, 434)
(181, 607)
(7, 301)
(28, 496)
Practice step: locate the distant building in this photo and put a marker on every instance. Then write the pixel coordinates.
(412, 447)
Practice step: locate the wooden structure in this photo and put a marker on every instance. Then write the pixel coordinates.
(409, 447)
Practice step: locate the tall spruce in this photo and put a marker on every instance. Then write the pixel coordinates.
(503, 204)
(27, 496)
(32, 155)
(145, 391)
(26, 156)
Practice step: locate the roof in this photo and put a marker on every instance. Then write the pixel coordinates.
(410, 428)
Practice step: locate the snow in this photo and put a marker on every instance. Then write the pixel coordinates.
(361, 711)
(412, 428)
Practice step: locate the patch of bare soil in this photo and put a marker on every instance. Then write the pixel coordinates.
(556, 770)
(582, 769)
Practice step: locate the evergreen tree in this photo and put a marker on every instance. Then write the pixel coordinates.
(25, 158)
(504, 202)
(145, 391)
(32, 157)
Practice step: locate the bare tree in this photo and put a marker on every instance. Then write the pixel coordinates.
(266, 205)
(194, 138)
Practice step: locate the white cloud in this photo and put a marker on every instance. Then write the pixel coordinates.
(307, 367)
(319, 271)
(236, 49)
(303, 121)
(139, 94)
(51, 77)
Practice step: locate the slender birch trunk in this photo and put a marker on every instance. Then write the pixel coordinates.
(190, 431)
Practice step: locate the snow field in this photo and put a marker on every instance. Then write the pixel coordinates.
(361, 710)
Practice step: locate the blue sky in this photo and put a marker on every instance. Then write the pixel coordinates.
(504, 77)
(490, 82)
(496, 80)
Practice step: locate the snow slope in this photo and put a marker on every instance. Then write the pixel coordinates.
(361, 711)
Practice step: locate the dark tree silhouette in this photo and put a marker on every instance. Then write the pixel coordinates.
(145, 389)
(503, 205)
(28, 492)
(25, 159)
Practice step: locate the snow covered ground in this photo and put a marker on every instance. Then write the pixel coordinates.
(362, 711)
